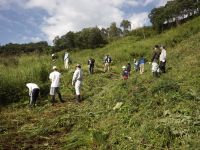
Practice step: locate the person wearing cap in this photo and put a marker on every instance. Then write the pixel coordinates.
(162, 59)
(55, 77)
(125, 73)
(34, 91)
(77, 80)
(66, 60)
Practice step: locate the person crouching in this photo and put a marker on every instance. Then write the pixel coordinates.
(125, 73)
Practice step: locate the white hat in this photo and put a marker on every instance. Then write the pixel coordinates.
(54, 67)
(124, 67)
(52, 54)
(78, 65)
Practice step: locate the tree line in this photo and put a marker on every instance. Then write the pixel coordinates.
(91, 37)
(173, 13)
(13, 49)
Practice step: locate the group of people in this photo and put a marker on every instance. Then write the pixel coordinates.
(55, 78)
(158, 62)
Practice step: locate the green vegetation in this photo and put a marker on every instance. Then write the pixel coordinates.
(174, 13)
(157, 113)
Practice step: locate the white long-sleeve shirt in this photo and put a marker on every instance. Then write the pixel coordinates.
(66, 57)
(78, 75)
(55, 78)
(163, 55)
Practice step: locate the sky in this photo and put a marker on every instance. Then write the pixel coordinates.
(24, 21)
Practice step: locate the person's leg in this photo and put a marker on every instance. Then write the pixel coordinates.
(164, 67)
(31, 100)
(105, 67)
(90, 69)
(108, 67)
(35, 96)
(140, 68)
(59, 94)
(52, 93)
(77, 90)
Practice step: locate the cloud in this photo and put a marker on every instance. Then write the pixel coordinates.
(73, 15)
(139, 20)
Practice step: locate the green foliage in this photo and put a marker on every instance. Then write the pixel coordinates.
(156, 113)
(86, 38)
(173, 13)
(16, 49)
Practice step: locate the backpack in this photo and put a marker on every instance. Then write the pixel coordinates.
(108, 60)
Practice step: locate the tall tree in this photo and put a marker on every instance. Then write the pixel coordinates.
(126, 25)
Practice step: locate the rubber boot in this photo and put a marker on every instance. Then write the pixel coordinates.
(60, 97)
(78, 98)
(53, 99)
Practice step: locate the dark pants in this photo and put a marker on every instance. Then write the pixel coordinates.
(34, 96)
(91, 69)
(162, 66)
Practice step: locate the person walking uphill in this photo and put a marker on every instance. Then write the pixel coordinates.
(34, 91)
(107, 62)
(55, 77)
(66, 60)
(154, 60)
(91, 62)
(162, 58)
(76, 81)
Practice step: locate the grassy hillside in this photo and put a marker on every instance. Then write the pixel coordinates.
(157, 113)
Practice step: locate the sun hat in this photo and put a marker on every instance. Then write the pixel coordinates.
(54, 67)
(124, 67)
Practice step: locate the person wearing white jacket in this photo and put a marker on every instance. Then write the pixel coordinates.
(66, 60)
(162, 59)
(34, 91)
(77, 80)
(55, 78)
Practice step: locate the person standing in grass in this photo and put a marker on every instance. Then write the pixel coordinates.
(77, 81)
(107, 62)
(34, 91)
(66, 60)
(55, 77)
(154, 60)
(136, 65)
(162, 58)
(91, 62)
(141, 65)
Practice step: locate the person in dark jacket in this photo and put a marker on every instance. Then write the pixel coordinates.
(155, 60)
(91, 62)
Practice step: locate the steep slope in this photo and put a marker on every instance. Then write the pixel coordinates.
(157, 113)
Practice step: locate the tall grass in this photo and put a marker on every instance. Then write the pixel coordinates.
(13, 77)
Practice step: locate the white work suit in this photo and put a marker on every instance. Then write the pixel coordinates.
(66, 60)
(77, 79)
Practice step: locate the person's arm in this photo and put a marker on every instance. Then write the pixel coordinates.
(74, 77)
(154, 53)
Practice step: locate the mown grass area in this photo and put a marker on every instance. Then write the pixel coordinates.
(157, 113)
